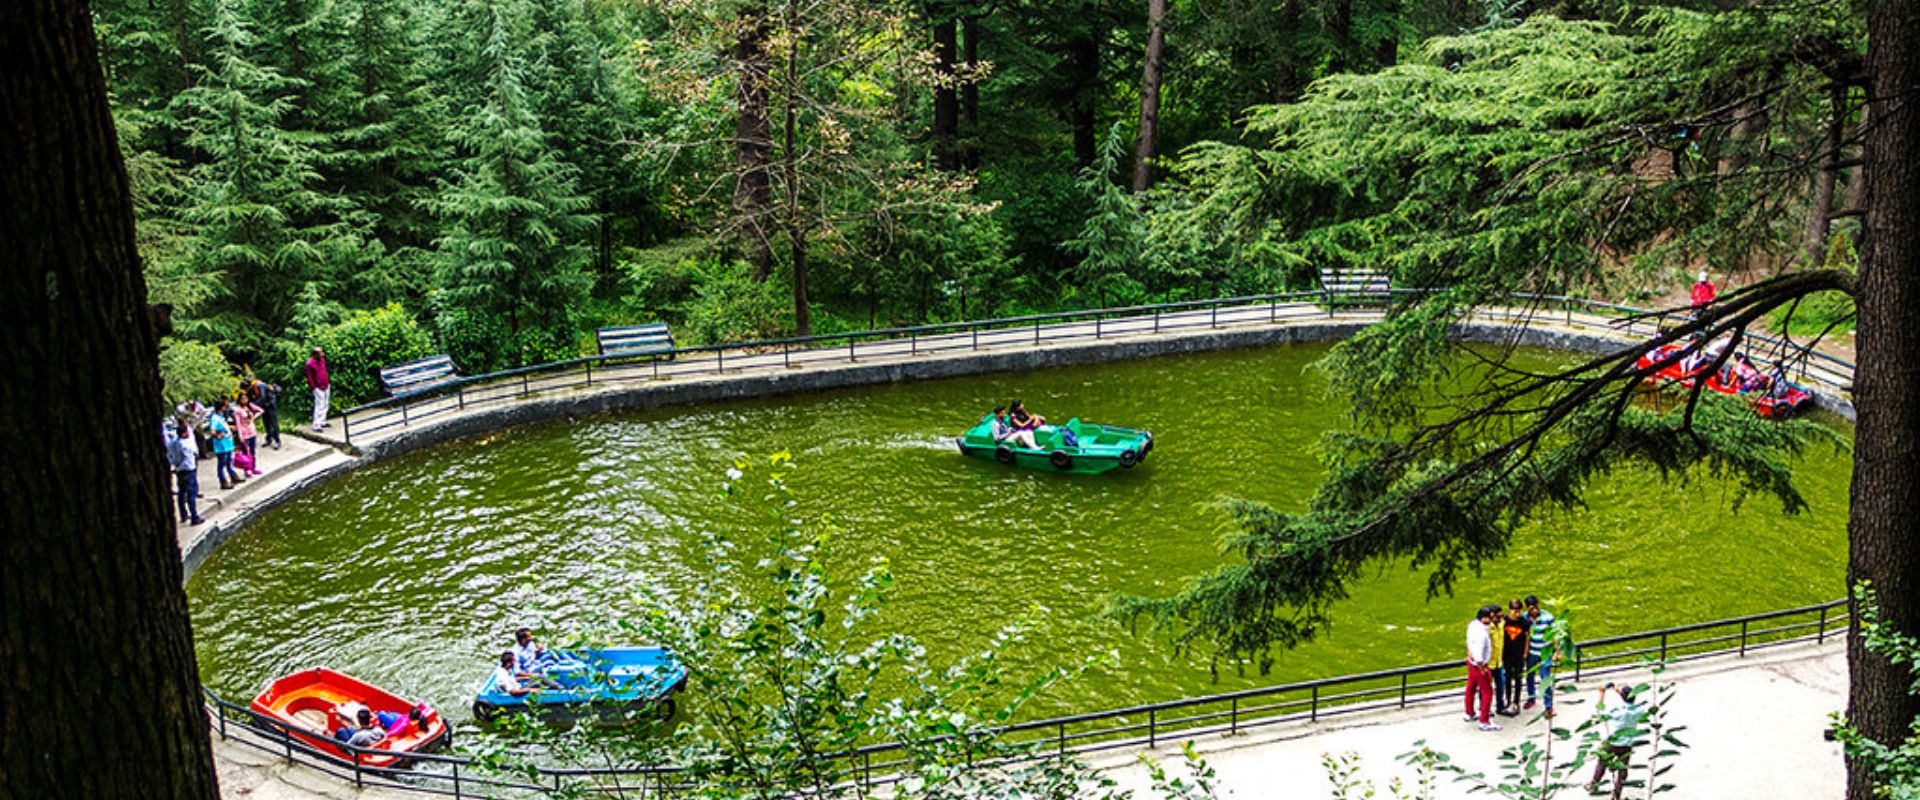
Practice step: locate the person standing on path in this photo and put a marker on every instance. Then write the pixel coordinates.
(267, 397)
(322, 387)
(244, 413)
(1621, 718)
(222, 436)
(1703, 293)
(1515, 636)
(1539, 654)
(186, 478)
(1479, 669)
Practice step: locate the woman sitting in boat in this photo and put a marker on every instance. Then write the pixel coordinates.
(1746, 376)
(1022, 420)
(1777, 385)
(370, 733)
(1004, 431)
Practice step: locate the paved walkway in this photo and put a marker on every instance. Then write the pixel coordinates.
(1754, 726)
(224, 511)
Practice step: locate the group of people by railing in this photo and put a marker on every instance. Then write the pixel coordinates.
(231, 432)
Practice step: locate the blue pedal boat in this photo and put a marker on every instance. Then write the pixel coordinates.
(611, 684)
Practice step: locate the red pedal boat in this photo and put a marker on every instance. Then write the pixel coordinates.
(1766, 404)
(315, 703)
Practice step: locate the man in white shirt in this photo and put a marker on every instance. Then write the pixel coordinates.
(1479, 673)
(504, 680)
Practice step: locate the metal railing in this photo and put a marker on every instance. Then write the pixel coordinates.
(1147, 725)
(497, 387)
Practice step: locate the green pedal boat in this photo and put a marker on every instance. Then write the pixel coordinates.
(1094, 448)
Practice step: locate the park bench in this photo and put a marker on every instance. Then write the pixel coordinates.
(651, 339)
(414, 376)
(1356, 286)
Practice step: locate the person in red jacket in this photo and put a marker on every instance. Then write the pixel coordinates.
(322, 387)
(1703, 292)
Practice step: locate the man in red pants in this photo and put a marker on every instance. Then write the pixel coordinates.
(1479, 673)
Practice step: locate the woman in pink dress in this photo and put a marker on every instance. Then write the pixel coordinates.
(244, 414)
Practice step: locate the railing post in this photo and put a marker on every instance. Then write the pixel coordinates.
(1036, 331)
(720, 361)
(1403, 690)
(1663, 646)
(221, 711)
(1153, 716)
(286, 737)
(346, 428)
(1063, 740)
(1273, 309)
(1233, 717)
(460, 395)
(1313, 708)
(1743, 638)
(358, 782)
(656, 368)
(851, 344)
(786, 354)
(976, 337)
(1156, 320)
(403, 414)
(1820, 635)
(523, 384)
(913, 343)
(456, 780)
(1215, 322)
(589, 373)
(1097, 323)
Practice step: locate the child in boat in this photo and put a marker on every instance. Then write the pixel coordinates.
(1023, 421)
(396, 723)
(1005, 432)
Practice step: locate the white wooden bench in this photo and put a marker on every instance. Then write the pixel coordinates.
(651, 339)
(414, 376)
(1356, 286)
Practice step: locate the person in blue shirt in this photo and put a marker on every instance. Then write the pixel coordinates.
(186, 480)
(223, 444)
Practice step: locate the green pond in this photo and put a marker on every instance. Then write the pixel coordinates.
(411, 573)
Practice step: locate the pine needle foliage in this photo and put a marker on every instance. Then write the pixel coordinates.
(1544, 156)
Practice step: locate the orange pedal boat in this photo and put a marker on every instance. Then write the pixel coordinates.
(315, 703)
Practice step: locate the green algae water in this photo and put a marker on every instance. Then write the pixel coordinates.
(412, 573)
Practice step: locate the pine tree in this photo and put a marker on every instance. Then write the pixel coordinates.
(265, 227)
(508, 268)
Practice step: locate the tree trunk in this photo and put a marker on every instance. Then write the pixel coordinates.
(946, 97)
(1886, 456)
(1820, 204)
(970, 94)
(796, 233)
(1083, 59)
(101, 694)
(753, 143)
(1337, 17)
(1150, 94)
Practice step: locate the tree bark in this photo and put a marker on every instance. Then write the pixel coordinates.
(753, 143)
(1882, 546)
(101, 694)
(946, 97)
(1150, 95)
(970, 94)
(796, 232)
(1820, 204)
(1083, 60)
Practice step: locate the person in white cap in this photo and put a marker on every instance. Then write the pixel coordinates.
(1703, 292)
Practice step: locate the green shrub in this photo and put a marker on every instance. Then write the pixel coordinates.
(730, 306)
(365, 342)
(193, 371)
